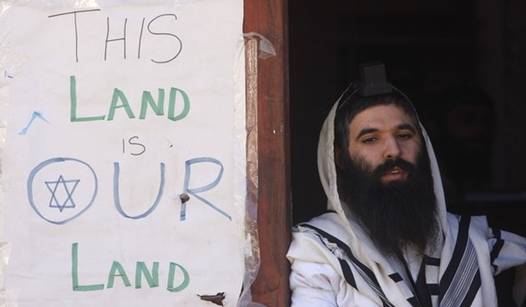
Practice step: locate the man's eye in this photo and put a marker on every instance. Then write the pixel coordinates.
(405, 136)
(369, 140)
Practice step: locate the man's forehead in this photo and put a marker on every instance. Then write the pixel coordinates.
(382, 116)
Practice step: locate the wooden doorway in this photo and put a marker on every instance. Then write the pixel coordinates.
(269, 18)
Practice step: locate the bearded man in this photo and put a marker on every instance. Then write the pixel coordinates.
(387, 239)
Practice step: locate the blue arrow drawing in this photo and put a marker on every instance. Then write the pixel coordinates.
(33, 116)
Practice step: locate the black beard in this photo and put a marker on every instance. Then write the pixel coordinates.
(397, 214)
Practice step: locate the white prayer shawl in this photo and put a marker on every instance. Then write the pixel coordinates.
(334, 263)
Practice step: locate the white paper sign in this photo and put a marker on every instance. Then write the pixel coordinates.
(124, 166)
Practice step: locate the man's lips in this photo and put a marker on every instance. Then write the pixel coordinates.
(395, 173)
(395, 170)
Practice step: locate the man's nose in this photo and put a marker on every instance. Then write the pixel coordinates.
(392, 149)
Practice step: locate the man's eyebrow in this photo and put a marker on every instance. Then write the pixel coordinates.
(366, 131)
(406, 127)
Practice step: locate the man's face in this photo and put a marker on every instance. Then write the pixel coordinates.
(386, 180)
(382, 133)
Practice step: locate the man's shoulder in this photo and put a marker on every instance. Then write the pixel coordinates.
(309, 239)
(329, 222)
(476, 222)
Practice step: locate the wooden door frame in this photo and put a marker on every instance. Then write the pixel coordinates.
(269, 18)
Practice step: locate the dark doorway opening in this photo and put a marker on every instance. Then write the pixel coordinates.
(463, 63)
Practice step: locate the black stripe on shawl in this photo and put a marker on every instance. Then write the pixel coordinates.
(458, 252)
(347, 273)
(495, 269)
(496, 249)
(498, 245)
(413, 301)
(433, 289)
(431, 261)
(354, 260)
(473, 289)
(420, 286)
(347, 250)
(395, 277)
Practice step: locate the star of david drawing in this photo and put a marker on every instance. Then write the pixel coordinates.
(61, 193)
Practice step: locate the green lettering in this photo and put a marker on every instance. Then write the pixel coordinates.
(73, 104)
(171, 273)
(171, 104)
(119, 95)
(151, 278)
(147, 99)
(117, 270)
(75, 273)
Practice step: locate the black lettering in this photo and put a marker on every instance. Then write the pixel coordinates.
(74, 13)
(179, 42)
(108, 40)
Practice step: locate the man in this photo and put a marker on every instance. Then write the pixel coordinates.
(387, 239)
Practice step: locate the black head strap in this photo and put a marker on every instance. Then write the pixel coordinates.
(373, 83)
